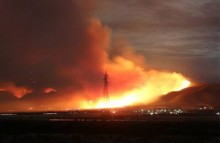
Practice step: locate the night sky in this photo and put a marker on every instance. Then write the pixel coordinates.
(61, 46)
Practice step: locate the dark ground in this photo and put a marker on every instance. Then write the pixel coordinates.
(176, 129)
(200, 124)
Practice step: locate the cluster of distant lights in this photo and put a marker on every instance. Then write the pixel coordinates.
(140, 111)
(206, 108)
(159, 111)
(209, 108)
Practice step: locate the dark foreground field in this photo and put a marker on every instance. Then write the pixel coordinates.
(111, 131)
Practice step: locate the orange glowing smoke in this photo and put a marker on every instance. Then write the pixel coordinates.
(49, 90)
(131, 85)
(17, 91)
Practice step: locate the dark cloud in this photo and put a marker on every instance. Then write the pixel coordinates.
(148, 13)
(176, 30)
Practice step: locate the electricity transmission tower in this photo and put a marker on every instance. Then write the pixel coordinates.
(105, 89)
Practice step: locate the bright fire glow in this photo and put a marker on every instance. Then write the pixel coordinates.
(131, 85)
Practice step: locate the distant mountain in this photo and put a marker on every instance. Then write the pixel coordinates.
(197, 95)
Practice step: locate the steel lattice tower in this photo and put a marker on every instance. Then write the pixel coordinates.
(105, 89)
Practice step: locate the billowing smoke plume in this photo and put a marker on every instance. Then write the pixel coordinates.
(55, 53)
(53, 44)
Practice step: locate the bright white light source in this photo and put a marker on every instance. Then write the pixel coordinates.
(114, 112)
